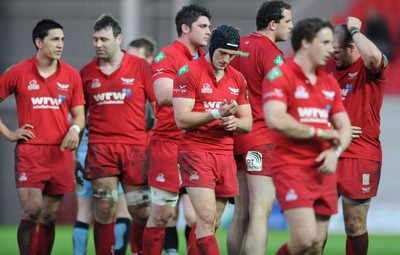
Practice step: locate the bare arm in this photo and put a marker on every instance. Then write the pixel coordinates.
(369, 53)
(71, 139)
(163, 91)
(186, 119)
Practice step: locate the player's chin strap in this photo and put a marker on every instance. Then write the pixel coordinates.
(104, 194)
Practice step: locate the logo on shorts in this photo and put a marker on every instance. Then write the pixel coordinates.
(22, 177)
(366, 190)
(291, 195)
(254, 161)
(160, 177)
(194, 176)
(365, 179)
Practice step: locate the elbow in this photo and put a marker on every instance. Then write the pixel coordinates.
(164, 102)
(181, 124)
(273, 123)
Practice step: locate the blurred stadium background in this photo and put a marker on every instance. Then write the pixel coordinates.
(155, 18)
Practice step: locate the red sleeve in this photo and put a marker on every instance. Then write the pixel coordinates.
(163, 66)
(184, 85)
(148, 82)
(243, 96)
(8, 83)
(274, 86)
(77, 97)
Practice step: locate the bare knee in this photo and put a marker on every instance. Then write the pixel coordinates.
(303, 244)
(32, 212)
(208, 220)
(140, 213)
(163, 216)
(355, 226)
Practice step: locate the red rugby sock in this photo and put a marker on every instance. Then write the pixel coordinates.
(104, 238)
(153, 240)
(284, 250)
(45, 239)
(357, 245)
(207, 245)
(27, 237)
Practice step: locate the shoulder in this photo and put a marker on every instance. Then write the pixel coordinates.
(68, 68)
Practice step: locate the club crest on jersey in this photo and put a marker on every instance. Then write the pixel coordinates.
(183, 69)
(279, 60)
(301, 93)
(160, 56)
(33, 85)
(353, 75)
(127, 81)
(206, 89)
(95, 84)
(274, 73)
(234, 91)
(329, 95)
(63, 87)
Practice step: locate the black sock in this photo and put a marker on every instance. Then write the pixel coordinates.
(187, 233)
(171, 238)
(80, 224)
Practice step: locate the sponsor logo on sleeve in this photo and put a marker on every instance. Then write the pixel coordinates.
(279, 60)
(274, 93)
(160, 56)
(180, 88)
(274, 73)
(183, 69)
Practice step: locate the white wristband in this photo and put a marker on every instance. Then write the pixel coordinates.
(216, 114)
(76, 127)
(338, 151)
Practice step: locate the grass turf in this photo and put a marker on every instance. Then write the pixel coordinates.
(378, 244)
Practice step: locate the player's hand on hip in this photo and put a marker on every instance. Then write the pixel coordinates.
(353, 22)
(229, 123)
(23, 133)
(71, 140)
(355, 132)
(329, 161)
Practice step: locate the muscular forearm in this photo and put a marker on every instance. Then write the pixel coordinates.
(290, 127)
(192, 120)
(244, 124)
(370, 54)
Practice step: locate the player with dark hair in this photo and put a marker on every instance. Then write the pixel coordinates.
(210, 103)
(360, 68)
(193, 28)
(249, 229)
(47, 91)
(300, 100)
(117, 86)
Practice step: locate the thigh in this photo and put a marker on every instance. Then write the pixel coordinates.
(51, 206)
(261, 192)
(302, 223)
(134, 164)
(30, 199)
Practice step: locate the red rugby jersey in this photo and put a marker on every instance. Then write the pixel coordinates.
(43, 102)
(309, 104)
(196, 80)
(362, 93)
(263, 56)
(117, 102)
(166, 65)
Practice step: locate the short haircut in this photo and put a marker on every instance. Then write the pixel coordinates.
(343, 36)
(188, 15)
(41, 30)
(106, 21)
(307, 29)
(270, 11)
(145, 42)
